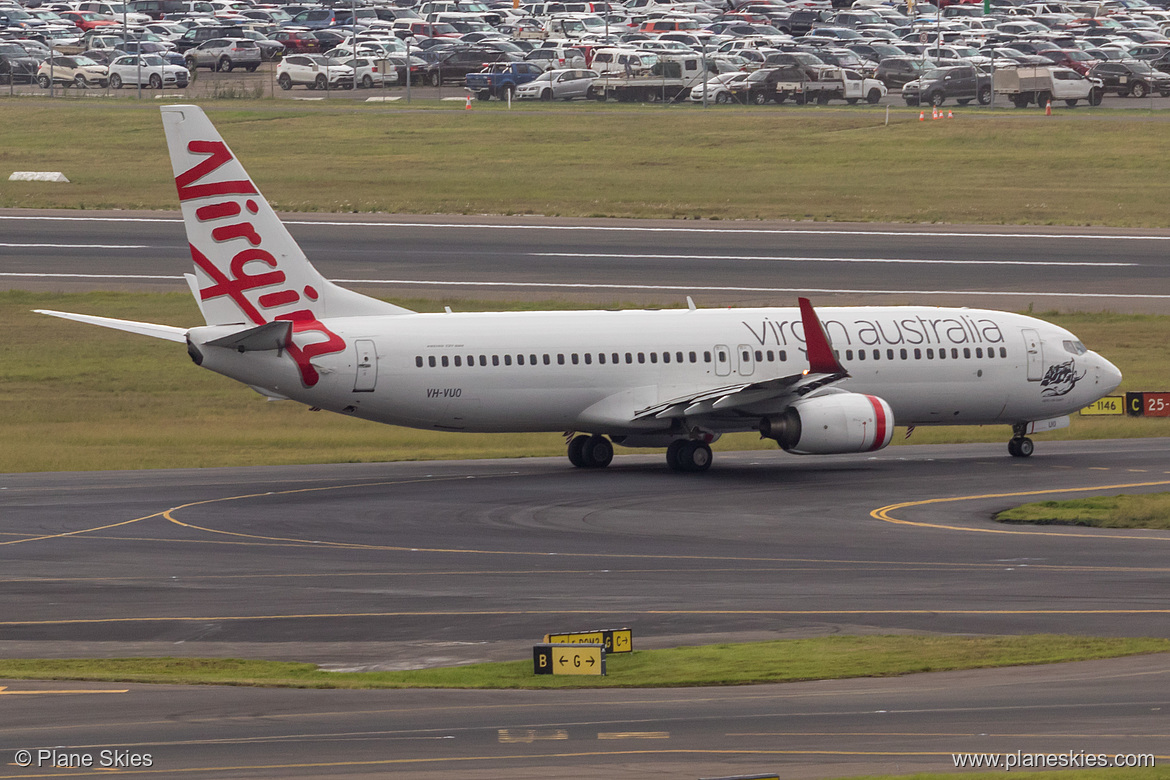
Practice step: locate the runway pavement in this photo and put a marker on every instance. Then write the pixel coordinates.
(408, 564)
(643, 261)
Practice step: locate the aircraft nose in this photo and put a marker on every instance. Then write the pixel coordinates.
(1110, 375)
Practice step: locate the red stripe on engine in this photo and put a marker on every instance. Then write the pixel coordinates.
(879, 413)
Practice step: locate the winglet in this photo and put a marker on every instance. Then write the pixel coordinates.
(821, 359)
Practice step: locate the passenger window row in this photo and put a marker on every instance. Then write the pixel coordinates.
(573, 358)
(929, 354)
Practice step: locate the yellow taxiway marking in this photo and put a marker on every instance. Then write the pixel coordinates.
(528, 736)
(883, 513)
(78, 532)
(633, 735)
(5, 692)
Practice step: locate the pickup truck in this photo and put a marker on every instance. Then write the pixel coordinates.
(808, 85)
(670, 79)
(1039, 85)
(935, 86)
(501, 78)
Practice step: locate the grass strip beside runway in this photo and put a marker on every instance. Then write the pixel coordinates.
(1136, 511)
(79, 398)
(984, 167)
(825, 658)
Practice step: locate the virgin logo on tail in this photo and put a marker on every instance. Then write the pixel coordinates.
(251, 268)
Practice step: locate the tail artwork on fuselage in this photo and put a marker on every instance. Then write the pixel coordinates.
(248, 269)
(677, 379)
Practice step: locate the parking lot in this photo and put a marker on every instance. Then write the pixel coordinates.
(262, 84)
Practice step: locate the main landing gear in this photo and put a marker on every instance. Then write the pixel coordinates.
(1020, 445)
(590, 452)
(685, 455)
(596, 452)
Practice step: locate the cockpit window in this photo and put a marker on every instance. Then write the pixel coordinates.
(1075, 347)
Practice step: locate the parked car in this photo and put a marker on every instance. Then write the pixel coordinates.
(314, 71)
(1133, 78)
(158, 9)
(16, 64)
(78, 70)
(197, 35)
(454, 65)
(369, 72)
(894, 72)
(558, 85)
(549, 57)
(270, 50)
(118, 11)
(87, 20)
(298, 41)
(718, 89)
(149, 70)
(149, 47)
(224, 54)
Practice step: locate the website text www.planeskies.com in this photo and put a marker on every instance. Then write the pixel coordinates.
(1070, 759)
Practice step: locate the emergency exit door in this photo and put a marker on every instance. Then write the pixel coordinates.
(367, 366)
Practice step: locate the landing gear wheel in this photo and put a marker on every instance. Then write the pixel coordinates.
(694, 456)
(576, 451)
(672, 453)
(1021, 447)
(597, 452)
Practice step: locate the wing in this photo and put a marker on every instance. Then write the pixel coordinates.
(824, 370)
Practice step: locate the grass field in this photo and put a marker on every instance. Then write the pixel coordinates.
(1135, 511)
(824, 658)
(75, 397)
(617, 161)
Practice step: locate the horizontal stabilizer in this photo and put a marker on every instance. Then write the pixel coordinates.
(141, 328)
(270, 335)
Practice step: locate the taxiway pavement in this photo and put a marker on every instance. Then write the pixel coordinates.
(373, 566)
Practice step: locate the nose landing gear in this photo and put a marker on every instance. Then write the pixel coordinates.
(1020, 446)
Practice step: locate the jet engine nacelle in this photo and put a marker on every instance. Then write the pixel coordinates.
(831, 424)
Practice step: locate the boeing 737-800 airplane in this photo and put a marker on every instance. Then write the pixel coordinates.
(829, 382)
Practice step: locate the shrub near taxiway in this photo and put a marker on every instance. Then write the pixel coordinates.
(730, 664)
(1126, 511)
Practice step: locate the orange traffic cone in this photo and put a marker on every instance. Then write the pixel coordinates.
(467, 107)
(950, 114)
(1048, 109)
(921, 116)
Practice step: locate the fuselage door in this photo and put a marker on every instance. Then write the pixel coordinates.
(367, 366)
(1035, 354)
(746, 364)
(722, 360)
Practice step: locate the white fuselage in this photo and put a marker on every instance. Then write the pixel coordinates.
(595, 370)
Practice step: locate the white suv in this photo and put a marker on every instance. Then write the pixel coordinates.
(313, 71)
